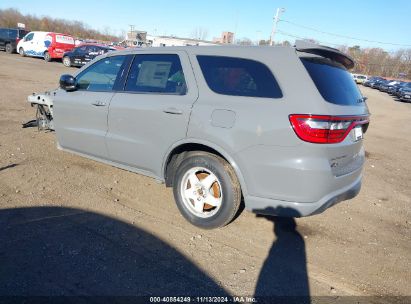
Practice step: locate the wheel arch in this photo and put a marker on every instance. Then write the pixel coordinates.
(177, 152)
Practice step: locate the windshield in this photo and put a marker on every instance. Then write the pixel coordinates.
(333, 81)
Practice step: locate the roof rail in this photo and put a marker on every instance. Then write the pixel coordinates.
(324, 51)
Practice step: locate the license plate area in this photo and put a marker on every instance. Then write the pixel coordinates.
(357, 133)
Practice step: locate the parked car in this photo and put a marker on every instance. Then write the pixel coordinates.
(373, 81)
(405, 94)
(359, 79)
(221, 124)
(82, 54)
(45, 44)
(379, 84)
(384, 87)
(394, 87)
(404, 87)
(10, 37)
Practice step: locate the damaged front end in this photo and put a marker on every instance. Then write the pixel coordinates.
(44, 112)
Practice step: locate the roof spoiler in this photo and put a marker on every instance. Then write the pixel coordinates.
(324, 51)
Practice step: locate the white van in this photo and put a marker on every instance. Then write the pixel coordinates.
(48, 45)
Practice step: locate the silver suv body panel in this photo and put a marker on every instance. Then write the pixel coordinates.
(275, 168)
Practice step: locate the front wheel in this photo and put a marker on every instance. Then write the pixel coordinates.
(206, 190)
(21, 52)
(47, 57)
(67, 61)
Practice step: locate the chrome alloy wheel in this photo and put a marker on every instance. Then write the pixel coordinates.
(66, 61)
(201, 192)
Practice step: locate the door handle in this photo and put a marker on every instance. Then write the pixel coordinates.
(173, 111)
(99, 104)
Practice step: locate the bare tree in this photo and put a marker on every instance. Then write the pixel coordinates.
(10, 18)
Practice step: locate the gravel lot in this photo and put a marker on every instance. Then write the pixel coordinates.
(73, 226)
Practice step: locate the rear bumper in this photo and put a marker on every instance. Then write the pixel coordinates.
(297, 209)
(56, 54)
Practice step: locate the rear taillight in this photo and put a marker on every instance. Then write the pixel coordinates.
(325, 129)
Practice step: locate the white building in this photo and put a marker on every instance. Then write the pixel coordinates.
(174, 41)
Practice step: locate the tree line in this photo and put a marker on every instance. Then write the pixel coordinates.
(368, 61)
(379, 62)
(10, 17)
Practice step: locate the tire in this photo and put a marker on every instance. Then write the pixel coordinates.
(212, 202)
(21, 52)
(9, 48)
(66, 61)
(47, 57)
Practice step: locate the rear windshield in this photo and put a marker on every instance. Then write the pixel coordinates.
(333, 81)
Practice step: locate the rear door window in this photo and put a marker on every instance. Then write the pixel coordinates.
(156, 73)
(239, 77)
(333, 81)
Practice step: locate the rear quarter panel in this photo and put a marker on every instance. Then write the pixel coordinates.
(258, 121)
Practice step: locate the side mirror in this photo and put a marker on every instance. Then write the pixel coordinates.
(68, 83)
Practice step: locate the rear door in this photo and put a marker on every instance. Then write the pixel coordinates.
(153, 111)
(81, 116)
(91, 53)
(78, 57)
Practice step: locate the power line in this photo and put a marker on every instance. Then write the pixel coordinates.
(322, 42)
(343, 36)
(304, 38)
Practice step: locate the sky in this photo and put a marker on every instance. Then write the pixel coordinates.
(378, 20)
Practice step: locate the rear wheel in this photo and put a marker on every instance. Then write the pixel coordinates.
(206, 190)
(9, 48)
(21, 52)
(67, 61)
(47, 56)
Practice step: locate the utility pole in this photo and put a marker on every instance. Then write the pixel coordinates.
(131, 29)
(276, 19)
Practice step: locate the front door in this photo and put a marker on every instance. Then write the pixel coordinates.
(153, 111)
(81, 115)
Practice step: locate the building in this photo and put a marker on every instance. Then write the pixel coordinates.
(156, 41)
(226, 38)
(135, 38)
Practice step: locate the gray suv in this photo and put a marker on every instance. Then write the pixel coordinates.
(277, 128)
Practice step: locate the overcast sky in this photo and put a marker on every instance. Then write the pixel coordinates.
(377, 20)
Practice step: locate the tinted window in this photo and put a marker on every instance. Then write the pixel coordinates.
(29, 37)
(239, 77)
(102, 75)
(156, 73)
(80, 49)
(333, 81)
(22, 33)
